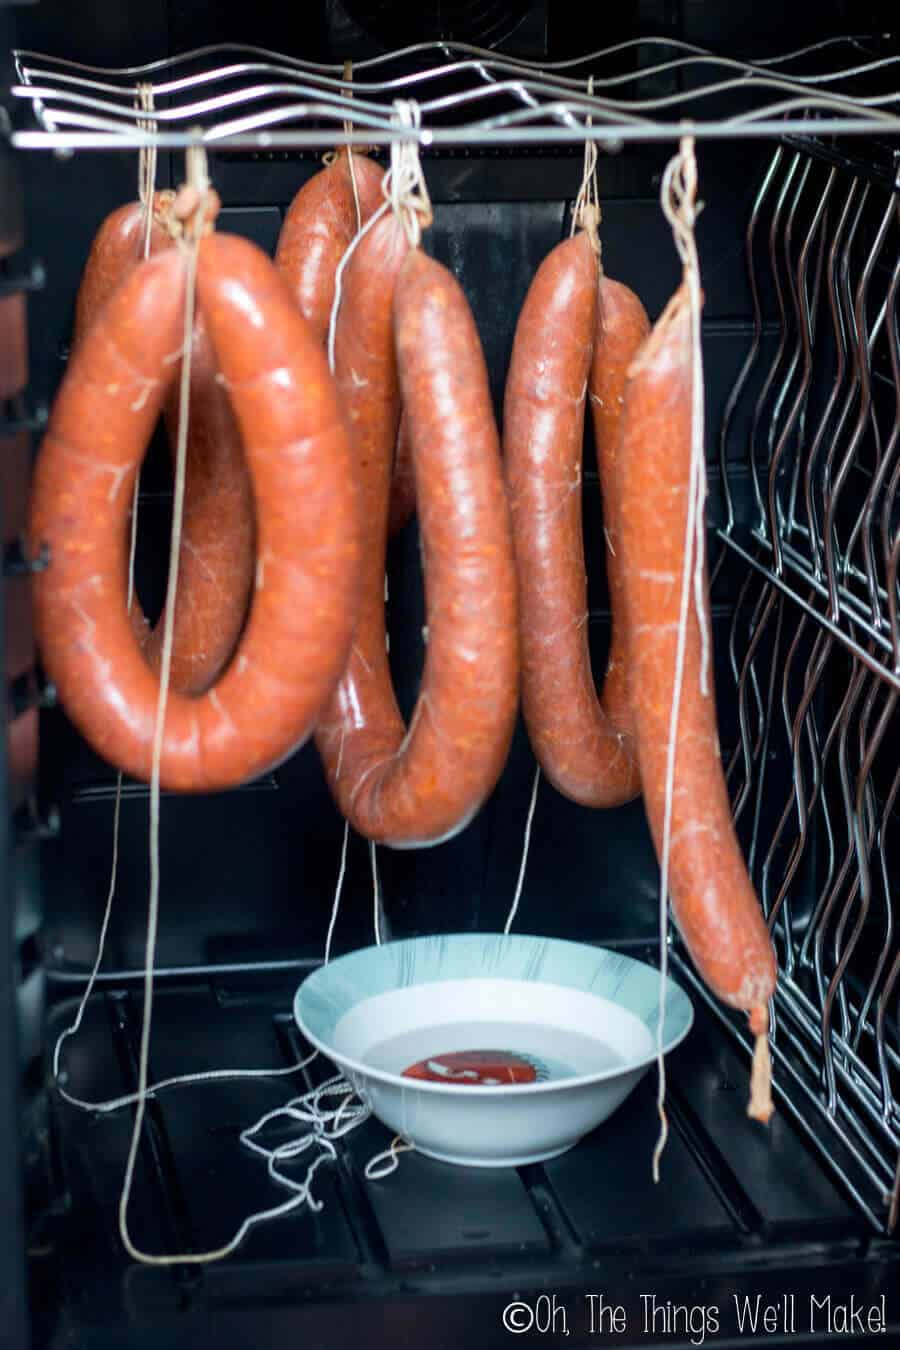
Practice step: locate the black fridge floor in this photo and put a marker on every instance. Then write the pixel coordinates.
(432, 1255)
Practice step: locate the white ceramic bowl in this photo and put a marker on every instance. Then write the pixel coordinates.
(578, 1023)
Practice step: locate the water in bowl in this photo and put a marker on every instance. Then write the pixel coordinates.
(553, 1053)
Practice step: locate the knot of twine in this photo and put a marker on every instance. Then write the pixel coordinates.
(405, 193)
(404, 184)
(191, 214)
(586, 213)
(678, 196)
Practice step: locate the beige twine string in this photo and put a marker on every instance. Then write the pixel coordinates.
(681, 209)
(324, 1125)
(351, 167)
(325, 1128)
(147, 159)
(405, 191)
(586, 213)
(332, 156)
(526, 843)
(679, 204)
(404, 184)
(198, 182)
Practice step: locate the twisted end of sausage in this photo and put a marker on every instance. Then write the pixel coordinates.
(761, 1107)
(713, 899)
(190, 213)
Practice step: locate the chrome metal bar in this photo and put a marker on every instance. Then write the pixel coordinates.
(612, 136)
(806, 603)
(250, 98)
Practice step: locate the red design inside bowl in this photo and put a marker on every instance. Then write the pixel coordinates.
(476, 1068)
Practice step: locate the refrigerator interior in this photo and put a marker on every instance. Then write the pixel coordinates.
(798, 241)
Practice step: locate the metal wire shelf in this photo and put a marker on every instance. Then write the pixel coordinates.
(649, 89)
(815, 645)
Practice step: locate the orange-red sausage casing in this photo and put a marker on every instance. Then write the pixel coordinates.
(713, 899)
(117, 246)
(421, 785)
(403, 482)
(622, 325)
(307, 572)
(559, 348)
(318, 228)
(217, 555)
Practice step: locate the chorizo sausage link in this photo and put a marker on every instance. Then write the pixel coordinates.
(421, 785)
(318, 228)
(712, 897)
(304, 604)
(216, 562)
(362, 725)
(115, 248)
(581, 748)
(622, 326)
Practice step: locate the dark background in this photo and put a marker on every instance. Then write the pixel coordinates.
(248, 876)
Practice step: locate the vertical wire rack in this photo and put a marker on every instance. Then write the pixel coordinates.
(815, 643)
(811, 526)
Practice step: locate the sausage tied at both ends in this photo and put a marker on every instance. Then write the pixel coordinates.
(318, 229)
(713, 900)
(297, 636)
(216, 563)
(408, 336)
(576, 333)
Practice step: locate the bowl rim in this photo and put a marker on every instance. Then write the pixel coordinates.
(479, 1091)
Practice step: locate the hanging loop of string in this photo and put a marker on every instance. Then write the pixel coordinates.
(404, 190)
(678, 197)
(681, 209)
(197, 183)
(351, 167)
(586, 211)
(188, 221)
(332, 156)
(192, 207)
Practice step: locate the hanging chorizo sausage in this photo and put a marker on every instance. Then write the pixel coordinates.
(303, 610)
